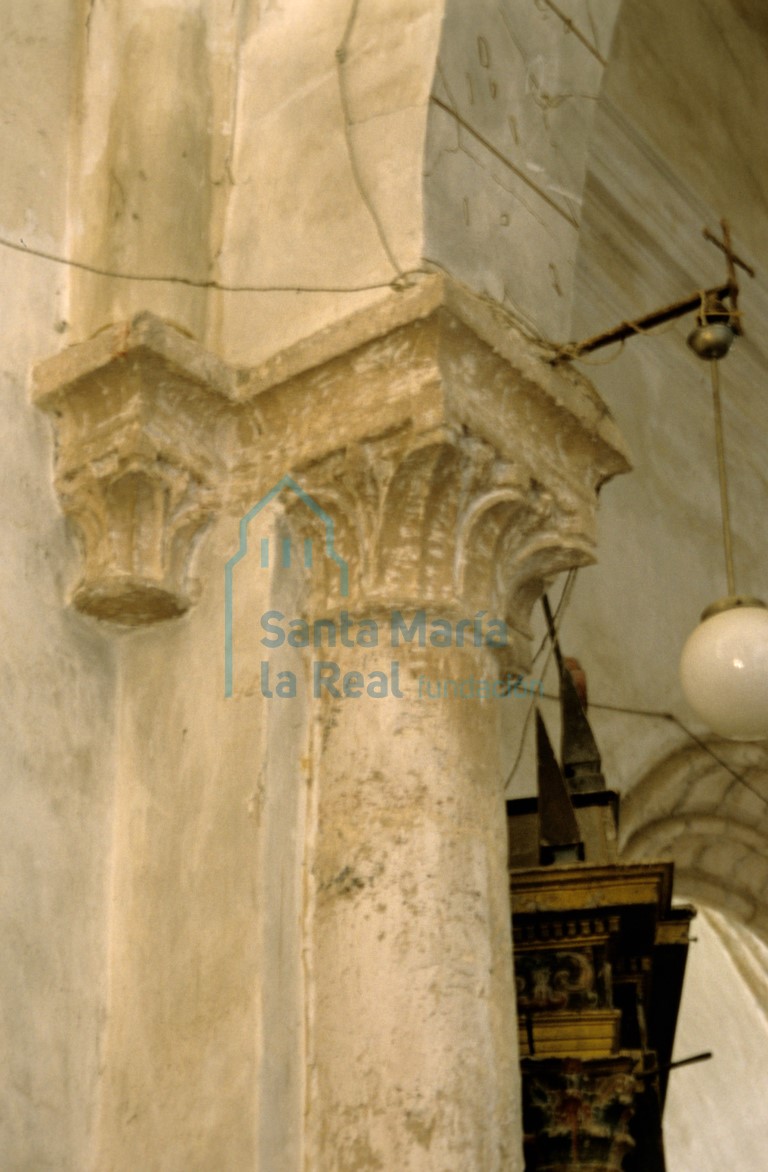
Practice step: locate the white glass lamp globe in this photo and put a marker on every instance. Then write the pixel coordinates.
(724, 669)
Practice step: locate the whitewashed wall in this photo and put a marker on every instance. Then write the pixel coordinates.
(568, 177)
(58, 690)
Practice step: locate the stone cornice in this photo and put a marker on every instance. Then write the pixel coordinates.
(564, 385)
(56, 378)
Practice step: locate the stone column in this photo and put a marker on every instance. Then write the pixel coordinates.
(458, 472)
(413, 1045)
(448, 531)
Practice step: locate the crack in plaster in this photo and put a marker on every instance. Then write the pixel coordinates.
(592, 23)
(510, 30)
(573, 28)
(546, 101)
(459, 146)
(384, 114)
(341, 60)
(506, 161)
(88, 17)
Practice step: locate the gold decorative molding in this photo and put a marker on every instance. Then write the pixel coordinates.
(577, 1112)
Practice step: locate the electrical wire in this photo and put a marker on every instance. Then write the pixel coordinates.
(398, 282)
(651, 713)
(672, 719)
(559, 614)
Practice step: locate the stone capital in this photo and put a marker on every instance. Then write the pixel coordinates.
(135, 408)
(459, 467)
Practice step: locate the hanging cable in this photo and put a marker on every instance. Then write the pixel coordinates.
(725, 513)
(557, 618)
(672, 719)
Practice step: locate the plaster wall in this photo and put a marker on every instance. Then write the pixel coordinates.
(513, 102)
(325, 205)
(716, 1110)
(675, 146)
(206, 1018)
(278, 178)
(301, 187)
(58, 679)
(140, 192)
(310, 155)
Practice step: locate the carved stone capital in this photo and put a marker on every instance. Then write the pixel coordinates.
(135, 408)
(459, 467)
(441, 521)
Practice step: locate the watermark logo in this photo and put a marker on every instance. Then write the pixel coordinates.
(275, 630)
(284, 552)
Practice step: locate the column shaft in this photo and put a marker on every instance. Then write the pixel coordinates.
(414, 1045)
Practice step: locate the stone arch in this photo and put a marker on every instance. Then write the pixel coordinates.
(508, 137)
(709, 813)
(649, 189)
(299, 173)
(440, 135)
(393, 136)
(333, 150)
(650, 183)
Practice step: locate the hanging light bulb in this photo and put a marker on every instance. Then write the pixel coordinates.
(713, 336)
(724, 664)
(724, 668)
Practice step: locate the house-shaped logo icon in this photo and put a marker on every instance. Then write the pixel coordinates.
(273, 552)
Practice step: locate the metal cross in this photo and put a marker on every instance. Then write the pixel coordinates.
(731, 260)
(725, 246)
